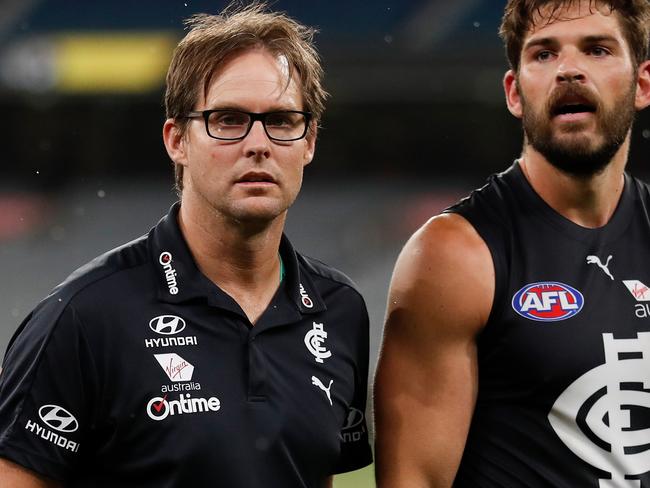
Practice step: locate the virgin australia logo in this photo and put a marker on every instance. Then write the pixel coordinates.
(600, 415)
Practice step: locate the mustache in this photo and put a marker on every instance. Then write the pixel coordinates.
(571, 94)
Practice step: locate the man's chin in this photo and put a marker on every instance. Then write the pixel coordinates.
(257, 211)
(576, 143)
(579, 157)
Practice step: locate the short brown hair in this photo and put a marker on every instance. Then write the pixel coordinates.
(519, 17)
(213, 39)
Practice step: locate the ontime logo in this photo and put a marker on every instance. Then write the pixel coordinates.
(159, 408)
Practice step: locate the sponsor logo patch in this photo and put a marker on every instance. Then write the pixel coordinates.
(548, 301)
(639, 291)
(165, 259)
(604, 267)
(317, 382)
(159, 408)
(306, 301)
(167, 324)
(56, 418)
(176, 368)
(641, 294)
(354, 428)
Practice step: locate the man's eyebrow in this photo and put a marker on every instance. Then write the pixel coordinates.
(240, 108)
(552, 41)
(600, 38)
(541, 41)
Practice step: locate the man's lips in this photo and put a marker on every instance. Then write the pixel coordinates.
(572, 107)
(256, 178)
(573, 116)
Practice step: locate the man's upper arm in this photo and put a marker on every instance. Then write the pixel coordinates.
(15, 476)
(440, 297)
(46, 387)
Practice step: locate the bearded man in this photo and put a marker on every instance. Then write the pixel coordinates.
(517, 343)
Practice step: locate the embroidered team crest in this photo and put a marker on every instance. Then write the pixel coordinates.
(314, 340)
(547, 301)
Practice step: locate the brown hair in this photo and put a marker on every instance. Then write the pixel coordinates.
(213, 39)
(519, 16)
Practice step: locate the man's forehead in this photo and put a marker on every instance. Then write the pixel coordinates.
(255, 71)
(552, 13)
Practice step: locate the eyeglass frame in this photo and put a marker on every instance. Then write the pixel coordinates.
(254, 116)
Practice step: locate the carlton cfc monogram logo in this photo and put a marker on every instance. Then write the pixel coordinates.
(547, 301)
(600, 415)
(314, 341)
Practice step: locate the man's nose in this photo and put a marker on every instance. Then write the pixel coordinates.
(569, 70)
(257, 142)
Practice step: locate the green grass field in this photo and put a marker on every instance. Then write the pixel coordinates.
(362, 478)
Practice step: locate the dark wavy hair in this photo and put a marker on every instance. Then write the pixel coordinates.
(519, 17)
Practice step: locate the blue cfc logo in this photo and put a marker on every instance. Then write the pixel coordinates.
(548, 301)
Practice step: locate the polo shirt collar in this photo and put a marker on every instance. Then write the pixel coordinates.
(297, 281)
(178, 279)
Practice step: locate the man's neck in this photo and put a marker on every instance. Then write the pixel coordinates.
(241, 258)
(586, 201)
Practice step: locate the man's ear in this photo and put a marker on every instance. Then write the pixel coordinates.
(174, 141)
(511, 89)
(642, 98)
(310, 143)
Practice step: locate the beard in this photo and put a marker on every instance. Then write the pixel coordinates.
(576, 153)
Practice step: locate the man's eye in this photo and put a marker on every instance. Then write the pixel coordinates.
(231, 118)
(598, 51)
(280, 120)
(543, 55)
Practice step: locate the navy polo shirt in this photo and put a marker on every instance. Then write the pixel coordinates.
(138, 371)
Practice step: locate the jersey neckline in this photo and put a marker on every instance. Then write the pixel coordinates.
(611, 231)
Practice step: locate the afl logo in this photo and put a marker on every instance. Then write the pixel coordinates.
(167, 324)
(58, 418)
(547, 301)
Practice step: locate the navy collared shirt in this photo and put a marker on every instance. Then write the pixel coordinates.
(138, 371)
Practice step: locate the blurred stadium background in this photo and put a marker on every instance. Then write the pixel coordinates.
(416, 119)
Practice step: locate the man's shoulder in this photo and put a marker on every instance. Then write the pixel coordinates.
(448, 236)
(492, 200)
(324, 273)
(102, 271)
(88, 288)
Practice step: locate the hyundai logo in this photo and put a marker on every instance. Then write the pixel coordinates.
(167, 324)
(58, 418)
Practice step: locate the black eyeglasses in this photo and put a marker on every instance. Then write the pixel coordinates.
(233, 125)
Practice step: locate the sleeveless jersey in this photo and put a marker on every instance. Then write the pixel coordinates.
(564, 360)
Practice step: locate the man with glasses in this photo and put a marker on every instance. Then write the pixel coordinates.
(208, 352)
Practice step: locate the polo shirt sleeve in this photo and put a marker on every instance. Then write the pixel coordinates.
(355, 446)
(44, 395)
